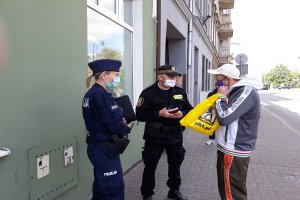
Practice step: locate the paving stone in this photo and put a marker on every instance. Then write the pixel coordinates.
(273, 174)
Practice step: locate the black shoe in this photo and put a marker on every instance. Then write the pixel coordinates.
(175, 194)
(147, 198)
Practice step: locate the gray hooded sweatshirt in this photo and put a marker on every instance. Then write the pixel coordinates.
(238, 117)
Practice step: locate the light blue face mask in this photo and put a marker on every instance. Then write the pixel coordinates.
(115, 83)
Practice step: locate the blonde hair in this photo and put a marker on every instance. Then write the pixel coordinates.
(90, 76)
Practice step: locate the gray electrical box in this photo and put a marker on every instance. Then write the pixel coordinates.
(53, 168)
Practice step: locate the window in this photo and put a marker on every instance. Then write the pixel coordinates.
(204, 72)
(199, 6)
(205, 9)
(206, 64)
(208, 78)
(226, 12)
(93, 1)
(209, 23)
(122, 8)
(109, 4)
(109, 36)
(125, 11)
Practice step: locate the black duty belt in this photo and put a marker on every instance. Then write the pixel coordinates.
(169, 128)
(103, 144)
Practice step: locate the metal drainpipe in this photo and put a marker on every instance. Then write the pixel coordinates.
(189, 50)
(158, 35)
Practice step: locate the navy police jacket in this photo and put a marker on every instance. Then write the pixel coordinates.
(151, 101)
(102, 116)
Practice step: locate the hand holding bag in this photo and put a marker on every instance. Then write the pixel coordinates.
(203, 117)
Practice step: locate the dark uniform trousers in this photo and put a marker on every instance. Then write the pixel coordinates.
(151, 155)
(108, 183)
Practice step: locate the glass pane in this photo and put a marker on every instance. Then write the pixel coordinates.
(126, 11)
(109, 4)
(94, 1)
(107, 39)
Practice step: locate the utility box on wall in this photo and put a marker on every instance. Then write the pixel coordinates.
(40, 120)
(53, 169)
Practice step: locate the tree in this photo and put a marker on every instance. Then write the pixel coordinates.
(110, 54)
(279, 76)
(296, 79)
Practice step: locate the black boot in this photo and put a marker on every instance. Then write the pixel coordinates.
(175, 194)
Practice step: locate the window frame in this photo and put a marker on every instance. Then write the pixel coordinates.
(110, 15)
(114, 18)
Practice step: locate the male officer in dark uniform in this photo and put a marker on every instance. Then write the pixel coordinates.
(161, 106)
(106, 130)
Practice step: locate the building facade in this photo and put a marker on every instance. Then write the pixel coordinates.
(195, 36)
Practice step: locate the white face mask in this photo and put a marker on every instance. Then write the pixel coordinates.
(169, 83)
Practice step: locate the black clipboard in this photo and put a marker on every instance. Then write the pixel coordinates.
(125, 103)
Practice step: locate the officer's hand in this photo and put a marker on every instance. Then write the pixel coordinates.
(164, 113)
(124, 120)
(179, 114)
(130, 125)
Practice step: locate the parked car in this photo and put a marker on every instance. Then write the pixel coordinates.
(265, 87)
(284, 87)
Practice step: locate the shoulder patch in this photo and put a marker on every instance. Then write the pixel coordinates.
(85, 102)
(140, 101)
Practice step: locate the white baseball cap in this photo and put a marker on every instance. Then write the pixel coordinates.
(228, 70)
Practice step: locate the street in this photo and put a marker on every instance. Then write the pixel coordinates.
(284, 104)
(273, 174)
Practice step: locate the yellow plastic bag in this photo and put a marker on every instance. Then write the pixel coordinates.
(203, 117)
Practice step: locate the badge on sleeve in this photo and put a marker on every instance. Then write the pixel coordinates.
(140, 101)
(114, 107)
(178, 96)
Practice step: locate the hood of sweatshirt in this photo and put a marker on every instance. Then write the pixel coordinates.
(248, 81)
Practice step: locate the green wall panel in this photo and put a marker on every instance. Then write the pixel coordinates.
(41, 89)
(149, 33)
(133, 153)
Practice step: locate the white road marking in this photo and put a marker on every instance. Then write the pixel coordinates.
(264, 103)
(283, 121)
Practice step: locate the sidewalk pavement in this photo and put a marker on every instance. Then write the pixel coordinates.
(274, 170)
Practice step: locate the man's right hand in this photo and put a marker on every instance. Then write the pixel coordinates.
(223, 90)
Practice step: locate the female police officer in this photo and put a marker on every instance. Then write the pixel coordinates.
(104, 119)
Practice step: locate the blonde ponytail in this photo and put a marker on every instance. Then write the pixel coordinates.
(88, 78)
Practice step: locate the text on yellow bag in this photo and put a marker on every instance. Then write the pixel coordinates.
(203, 117)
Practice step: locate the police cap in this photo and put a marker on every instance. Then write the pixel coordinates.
(102, 65)
(168, 69)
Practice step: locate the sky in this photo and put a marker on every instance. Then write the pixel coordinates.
(268, 32)
(102, 29)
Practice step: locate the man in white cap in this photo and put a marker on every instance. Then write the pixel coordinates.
(238, 111)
